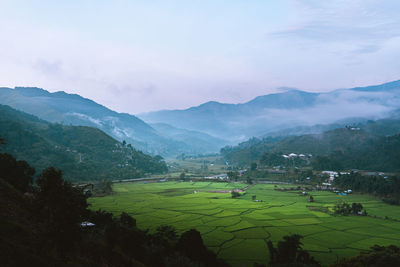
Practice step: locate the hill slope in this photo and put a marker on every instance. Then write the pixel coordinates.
(343, 148)
(83, 153)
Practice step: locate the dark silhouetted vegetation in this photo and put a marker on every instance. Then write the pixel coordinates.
(289, 252)
(344, 208)
(51, 226)
(18, 173)
(235, 194)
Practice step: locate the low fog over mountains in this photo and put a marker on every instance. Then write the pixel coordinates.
(212, 125)
(73, 109)
(277, 112)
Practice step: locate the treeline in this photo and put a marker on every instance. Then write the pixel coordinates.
(83, 153)
(386, 187)
(49, 224)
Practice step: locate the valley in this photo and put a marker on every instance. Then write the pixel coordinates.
(200, 133)
(237, 228)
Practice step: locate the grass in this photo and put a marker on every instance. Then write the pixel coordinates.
(237, 229)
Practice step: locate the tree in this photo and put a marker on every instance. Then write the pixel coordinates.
(235, 194)
(344, 208)
(289, 253)
(62, 208)
(253, 166)
(18, 173)
(104, 187)
(356, 207)
(233, 175)
(166, 233)
(191, 245)
(127, 220)
(182, 176)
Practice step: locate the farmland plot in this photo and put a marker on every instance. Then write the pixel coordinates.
(238, 229)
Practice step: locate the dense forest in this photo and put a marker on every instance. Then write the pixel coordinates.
(344, 148)
(83, 153)
(386, 187)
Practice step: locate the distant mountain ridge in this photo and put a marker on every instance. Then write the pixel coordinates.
(61, 107)
(276, 112)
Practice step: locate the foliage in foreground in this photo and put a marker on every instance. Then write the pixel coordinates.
(289, 253)
(48, 226)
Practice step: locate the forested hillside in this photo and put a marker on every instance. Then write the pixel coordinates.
(344, 148)
(83, 153)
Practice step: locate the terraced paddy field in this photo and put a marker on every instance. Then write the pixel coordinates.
(237, 229)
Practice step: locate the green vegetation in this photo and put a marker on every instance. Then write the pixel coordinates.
(289, 252)
(237, 229)
(386, 187)
(347, 209)
(378, 256)
(344, 148)
(50, 225)
(83, 153)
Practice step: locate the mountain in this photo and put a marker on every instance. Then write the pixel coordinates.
(199, 142)
(83, 153)
(367, 146)
(276, 112)
(72, 109)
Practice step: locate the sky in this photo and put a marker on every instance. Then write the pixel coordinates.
(140, 56)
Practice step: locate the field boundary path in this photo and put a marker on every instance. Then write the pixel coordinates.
(233, 190)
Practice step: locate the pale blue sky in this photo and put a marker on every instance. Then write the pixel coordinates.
(136, 56)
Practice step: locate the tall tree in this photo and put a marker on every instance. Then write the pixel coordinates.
(62, 208)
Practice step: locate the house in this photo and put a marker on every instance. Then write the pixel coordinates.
(332, 175)
(87, 224)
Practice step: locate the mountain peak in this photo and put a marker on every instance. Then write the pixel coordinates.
(390, 86)
(31, 91)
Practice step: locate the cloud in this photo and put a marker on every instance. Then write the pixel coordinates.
(53, 68)
(364, 26)
(329, 108)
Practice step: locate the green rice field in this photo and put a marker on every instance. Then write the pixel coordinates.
(237, 229)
